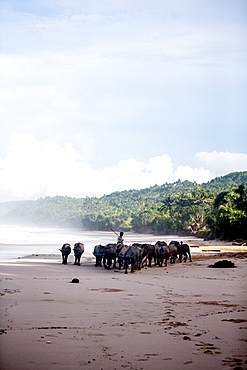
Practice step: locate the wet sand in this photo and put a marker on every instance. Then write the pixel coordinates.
(181, 316)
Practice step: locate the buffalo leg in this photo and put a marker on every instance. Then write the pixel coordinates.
(189, 256)
(132, 266)
(98, 261)
(139, 265)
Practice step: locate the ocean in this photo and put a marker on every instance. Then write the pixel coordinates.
(20, 241)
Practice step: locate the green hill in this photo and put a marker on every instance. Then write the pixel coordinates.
(179, 206)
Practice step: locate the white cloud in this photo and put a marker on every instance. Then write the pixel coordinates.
(35, 169)
(133, 174)
(38, 168)
(222, 163)
(198, 175)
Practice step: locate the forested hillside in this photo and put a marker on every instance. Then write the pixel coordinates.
(217, 208)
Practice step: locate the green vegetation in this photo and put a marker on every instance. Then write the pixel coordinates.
(214, 209)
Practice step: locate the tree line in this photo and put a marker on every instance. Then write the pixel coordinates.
(214, 209)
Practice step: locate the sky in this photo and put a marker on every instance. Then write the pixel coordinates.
(109, 95)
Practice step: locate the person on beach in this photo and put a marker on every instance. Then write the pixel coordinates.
(120, 239)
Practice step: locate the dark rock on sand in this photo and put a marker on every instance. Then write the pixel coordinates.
(223, 264)
(75, 280)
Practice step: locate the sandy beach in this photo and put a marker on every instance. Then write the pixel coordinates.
(181, 316)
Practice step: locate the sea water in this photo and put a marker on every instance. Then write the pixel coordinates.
(19, 241)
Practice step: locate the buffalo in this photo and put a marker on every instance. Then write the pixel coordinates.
(99, 252)
(173, 251)
(110, 256)
(183, 250)
(161, 253)
(133, 257)
(107, 254)
(148, 253)
(120, 254)
(65, 250)
(78, 251)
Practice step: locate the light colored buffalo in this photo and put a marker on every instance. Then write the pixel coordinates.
(161, 253)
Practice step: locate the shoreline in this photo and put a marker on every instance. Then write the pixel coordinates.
(197, 246)
(184, 315)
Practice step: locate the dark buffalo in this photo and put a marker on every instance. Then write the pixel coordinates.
(78, 252)
(183, 250)
(65, 250)
(175, 242)
(161, 253)
(148, 253)
(133, 256)
(99, 253)
(110, 256)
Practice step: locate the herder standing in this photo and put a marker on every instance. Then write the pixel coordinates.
(120, 238)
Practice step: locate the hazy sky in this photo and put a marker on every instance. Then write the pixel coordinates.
(98, 96)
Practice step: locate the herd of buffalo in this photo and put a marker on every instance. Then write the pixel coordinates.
(136, 255)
